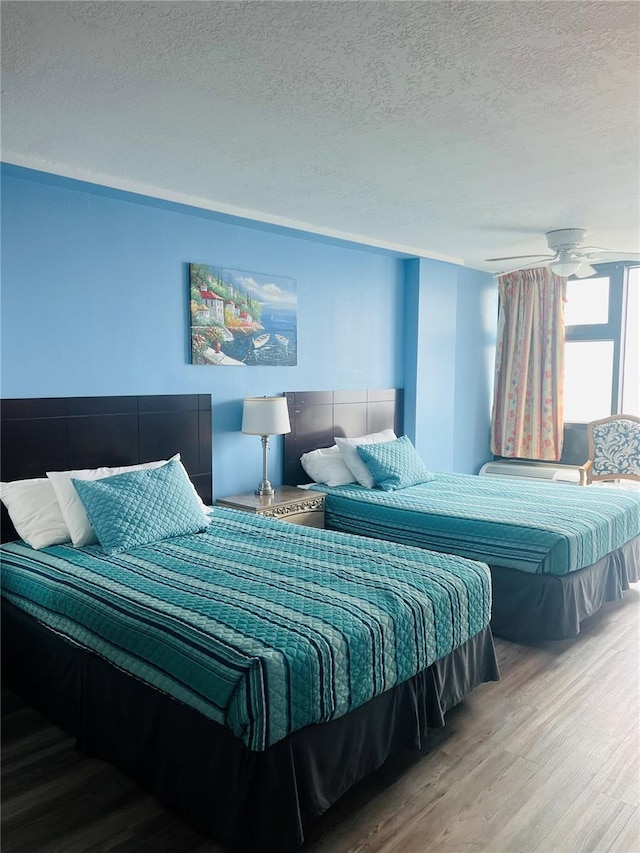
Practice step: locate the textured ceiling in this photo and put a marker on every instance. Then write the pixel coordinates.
(459, 130)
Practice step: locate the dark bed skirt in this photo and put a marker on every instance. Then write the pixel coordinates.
(249, 801)
(528, 608)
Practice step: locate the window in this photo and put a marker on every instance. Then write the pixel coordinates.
(587, 301)
(602, 355)
(631, 367)
(588, 369)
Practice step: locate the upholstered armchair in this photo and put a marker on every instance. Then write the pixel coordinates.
(614, 449)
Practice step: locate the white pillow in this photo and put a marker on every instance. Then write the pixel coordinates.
(34, 511)
(354, 462)
(71, 507)
(327, 466)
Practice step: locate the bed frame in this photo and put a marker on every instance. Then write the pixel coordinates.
(64, 433)
(527, 608)
(258, 801)
(317, 416)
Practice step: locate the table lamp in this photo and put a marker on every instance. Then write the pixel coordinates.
(265, 416)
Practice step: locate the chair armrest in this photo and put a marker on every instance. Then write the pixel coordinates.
(583, 472)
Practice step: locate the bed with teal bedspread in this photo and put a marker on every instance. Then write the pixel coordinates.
(534, 527)
(258, 625)
(556, 552)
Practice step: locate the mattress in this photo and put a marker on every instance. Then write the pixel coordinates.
(262, 626)
(536, 527)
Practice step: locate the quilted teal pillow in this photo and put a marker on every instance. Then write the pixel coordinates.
(394, 464)
(139, 507)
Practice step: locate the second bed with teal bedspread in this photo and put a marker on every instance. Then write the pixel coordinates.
(262, 626)
(536, 527)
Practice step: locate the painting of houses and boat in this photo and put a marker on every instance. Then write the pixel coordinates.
(242, 318)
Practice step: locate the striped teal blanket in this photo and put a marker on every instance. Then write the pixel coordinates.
(544, 528)
(260, 625)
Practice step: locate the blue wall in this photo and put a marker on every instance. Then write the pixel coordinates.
(476, 328)
(94, 301)
(451, 315)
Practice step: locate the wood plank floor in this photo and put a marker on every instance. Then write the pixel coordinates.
(546, 761)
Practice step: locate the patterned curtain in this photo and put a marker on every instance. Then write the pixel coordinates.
(528, 415)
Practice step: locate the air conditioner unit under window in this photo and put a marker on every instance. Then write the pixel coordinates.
(568, 474)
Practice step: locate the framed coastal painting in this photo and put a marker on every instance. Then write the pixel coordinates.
(241, 318)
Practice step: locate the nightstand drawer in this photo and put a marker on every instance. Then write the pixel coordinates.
(309, 519)
(311, 513)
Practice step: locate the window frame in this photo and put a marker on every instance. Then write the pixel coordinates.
(575, 433)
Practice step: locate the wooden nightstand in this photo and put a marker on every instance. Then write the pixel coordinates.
(297, 506)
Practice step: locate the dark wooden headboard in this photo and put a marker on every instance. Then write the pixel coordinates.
(317, 416)
(63, 433)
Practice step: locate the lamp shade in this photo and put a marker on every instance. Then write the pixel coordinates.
(265, 416)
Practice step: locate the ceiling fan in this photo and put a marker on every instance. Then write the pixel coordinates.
(571, 256)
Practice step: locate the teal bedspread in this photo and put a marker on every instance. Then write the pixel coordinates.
(260, 625)
(544, 528)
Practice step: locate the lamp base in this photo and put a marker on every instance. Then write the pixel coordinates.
(265, 489)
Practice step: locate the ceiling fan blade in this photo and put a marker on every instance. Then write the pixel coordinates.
(607, 257)
(521, 258)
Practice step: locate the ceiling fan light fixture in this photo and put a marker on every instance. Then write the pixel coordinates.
(585, 270)
(565, 266)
